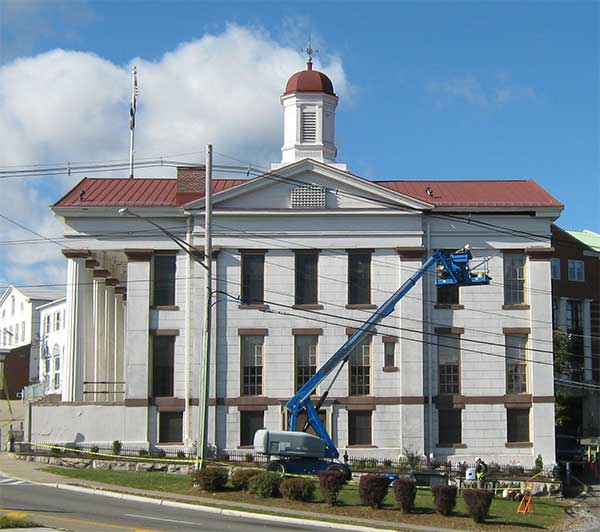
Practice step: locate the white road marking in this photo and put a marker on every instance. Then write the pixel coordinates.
(162, 519)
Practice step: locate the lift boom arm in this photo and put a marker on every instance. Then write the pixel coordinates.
(455, 270)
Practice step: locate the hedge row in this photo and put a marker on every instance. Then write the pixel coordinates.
(372, 489)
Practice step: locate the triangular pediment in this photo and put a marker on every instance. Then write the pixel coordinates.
(340, 190)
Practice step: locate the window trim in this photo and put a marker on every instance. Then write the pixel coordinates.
(368, 341)
(453, 336)
(508, 361)
(517, 443)
(507, 290)
(262, 366)
(368, 413)
(576, 262)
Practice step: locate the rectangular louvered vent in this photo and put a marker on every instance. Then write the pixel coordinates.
(308, 196)
(309, 126)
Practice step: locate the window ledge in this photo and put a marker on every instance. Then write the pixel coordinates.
(360, 306)
(517, 444)
(390, 369)
(361, 446)
(451, 306)
(245, 446)
(451, 446)
(308, 306)
(516, 306)
(255, 306)
(165, 307)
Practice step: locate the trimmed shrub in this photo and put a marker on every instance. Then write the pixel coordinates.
(478, 503)
(297, 489)
(95, 449)
(444, 498)
(143, 452)
(210, 478)
(405, 492)
(264, 484)
(180, 454)
(372, 489)
(158, 453)
(249, 458)
(331, 483)
(241, 477)
(116, 447)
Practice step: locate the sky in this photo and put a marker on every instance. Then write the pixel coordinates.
(428, 90)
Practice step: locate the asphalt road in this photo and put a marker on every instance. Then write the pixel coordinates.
(83, 512)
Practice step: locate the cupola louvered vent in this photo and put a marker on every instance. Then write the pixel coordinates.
(309, 126)
(308, 196)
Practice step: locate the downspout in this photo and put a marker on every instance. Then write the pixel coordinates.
(188, 331)
(429, 348)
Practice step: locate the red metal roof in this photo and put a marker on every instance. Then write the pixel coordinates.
(309, 81)
(476, 193)
(138, 192)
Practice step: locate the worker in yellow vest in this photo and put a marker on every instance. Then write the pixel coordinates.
(480, 472)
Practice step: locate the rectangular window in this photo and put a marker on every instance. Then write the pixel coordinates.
(389, 354)
(47, 324)
(250, 422)
(22, 331)
(449, 363)
(163, 355)
(301, 421)
(17, 333)
(555, 313)
(305, 352)
(576, 270)
(57, 321)
(253, 282)
(359, 277)
(448, 294)
(575, 327)
(517, 425)
(359, 367)
(514, 278)
(306, 278)
(359, 427)
(555, 268)
(57, 372)
(516, 363)
(252, 364)
(164, 279)
(170, 427)
(449, 426)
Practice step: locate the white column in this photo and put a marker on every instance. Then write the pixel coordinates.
(587, 341)
(562, 314)
(118, 374)
(73, 361)
(108, 367)
(137, 352)
(99, 337)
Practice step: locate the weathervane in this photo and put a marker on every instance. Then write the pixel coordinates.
(310, 51)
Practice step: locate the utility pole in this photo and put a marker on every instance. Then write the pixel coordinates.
(205, 356)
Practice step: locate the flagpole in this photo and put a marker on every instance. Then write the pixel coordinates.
(134, 91)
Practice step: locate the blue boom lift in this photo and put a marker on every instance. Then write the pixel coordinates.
(301, 453)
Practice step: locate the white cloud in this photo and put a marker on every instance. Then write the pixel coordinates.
(72, 106)
(471, 90)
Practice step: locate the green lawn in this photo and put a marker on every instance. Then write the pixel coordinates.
(15, 522)
(548, 513)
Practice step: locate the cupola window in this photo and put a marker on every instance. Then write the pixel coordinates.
(309, 127)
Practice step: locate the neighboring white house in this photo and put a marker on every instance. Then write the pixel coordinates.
(304, 254)
(20, 321)
(53, 329)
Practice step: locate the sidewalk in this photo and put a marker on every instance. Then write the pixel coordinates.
(31, 471)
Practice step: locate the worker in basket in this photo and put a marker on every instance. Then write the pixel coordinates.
(480, 472)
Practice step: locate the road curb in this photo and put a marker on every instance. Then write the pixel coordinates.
(233, 513)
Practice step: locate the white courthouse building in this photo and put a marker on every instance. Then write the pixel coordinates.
(302, 255)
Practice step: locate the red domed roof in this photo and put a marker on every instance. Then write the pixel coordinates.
(309, 80)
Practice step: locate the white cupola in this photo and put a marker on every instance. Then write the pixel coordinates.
(309, 118)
